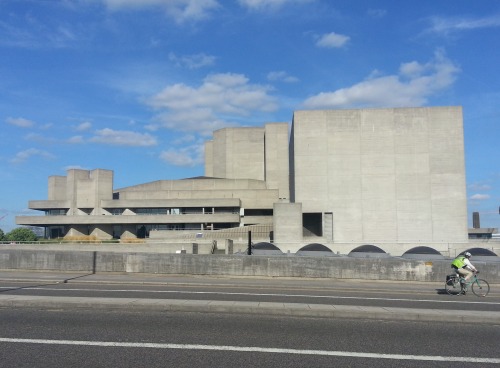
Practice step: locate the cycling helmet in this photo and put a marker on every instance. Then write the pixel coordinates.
(467, 254)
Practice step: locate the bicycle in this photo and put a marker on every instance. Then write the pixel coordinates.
(479, 287)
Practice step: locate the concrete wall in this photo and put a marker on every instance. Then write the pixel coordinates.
(276, 158)
(238, 153)
(386, 175)
(287, 225)
(57, 188)
(226, 265)
(209, 155)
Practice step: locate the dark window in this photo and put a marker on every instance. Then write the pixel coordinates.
(259, 212)
(312, 223)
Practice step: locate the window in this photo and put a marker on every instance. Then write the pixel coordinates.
(151, 211)
(312, 223)
(55, 212)
(259, 212)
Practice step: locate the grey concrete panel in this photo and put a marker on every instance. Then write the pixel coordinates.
(288, 222)
(209, 156)
(383, 158)
(226, 265)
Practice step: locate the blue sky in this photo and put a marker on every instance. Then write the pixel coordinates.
(137, 86)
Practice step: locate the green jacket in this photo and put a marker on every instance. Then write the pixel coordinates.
(459, 262)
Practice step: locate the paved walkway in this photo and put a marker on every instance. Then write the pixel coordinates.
(212, 306)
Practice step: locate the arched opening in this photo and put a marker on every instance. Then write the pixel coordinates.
(264, 248)
(315, 247)
(315, 250)
(422, 252)
(368, 251)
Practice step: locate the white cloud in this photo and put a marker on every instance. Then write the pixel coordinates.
(187, 156)
(282, 76)
(31, 152)
(480, 197)
(152, 127)
(184, 139)
(29, 31)
(479, 187)
(268, 4)
(20, 122)
(332, 40)
(46, 126)
(84, 126)
(414, 84)
(180, 10)
(123, 138)
(411, 69)
(77, 139)
(192, 61)
(36, 137)
(209, 106)
(447, 25)
(75, 167)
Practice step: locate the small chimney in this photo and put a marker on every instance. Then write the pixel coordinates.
(475, 220)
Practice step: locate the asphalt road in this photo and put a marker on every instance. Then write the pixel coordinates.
(310, 291)
(97, 338)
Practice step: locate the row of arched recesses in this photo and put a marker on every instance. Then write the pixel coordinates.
(371, 250)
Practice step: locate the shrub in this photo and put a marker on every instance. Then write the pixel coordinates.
(21, 234)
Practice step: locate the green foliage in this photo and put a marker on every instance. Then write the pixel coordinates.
(21, 234)
(2, 235)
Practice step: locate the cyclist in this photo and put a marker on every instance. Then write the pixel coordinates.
(464, 268)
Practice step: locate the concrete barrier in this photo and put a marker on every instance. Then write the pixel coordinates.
(237, 265)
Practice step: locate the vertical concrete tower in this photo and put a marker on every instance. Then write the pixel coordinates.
(381, 175)
(251, 153)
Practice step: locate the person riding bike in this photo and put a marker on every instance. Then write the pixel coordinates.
(464, 268)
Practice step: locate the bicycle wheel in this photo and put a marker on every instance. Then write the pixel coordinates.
(452, 287)
(480, 287)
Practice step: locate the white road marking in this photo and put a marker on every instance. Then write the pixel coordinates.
(254, 349)
(453, 300)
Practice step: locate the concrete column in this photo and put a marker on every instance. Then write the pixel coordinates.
(287, 222)
(328, 226)
(229, 246)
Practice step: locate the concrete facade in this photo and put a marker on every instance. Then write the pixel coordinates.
(385, 175)
(84, 204)
(251, 153)
(394, 178)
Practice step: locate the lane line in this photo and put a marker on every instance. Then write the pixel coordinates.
(253, 349)
(454, 301)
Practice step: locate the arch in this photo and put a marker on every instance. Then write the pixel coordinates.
(266, 249)
(480, 252)
(314, 247)
(367, 248)
(265, 246)
(422, 253)
(422, 250)
(368, 251)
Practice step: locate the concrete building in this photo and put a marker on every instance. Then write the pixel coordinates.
(394, 178)
(376, 176)
(84, 203)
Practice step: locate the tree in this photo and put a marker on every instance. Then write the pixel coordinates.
(21, 234)
(2, 235)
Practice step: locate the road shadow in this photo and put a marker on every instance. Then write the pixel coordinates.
(441, 292)
(45, 284)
